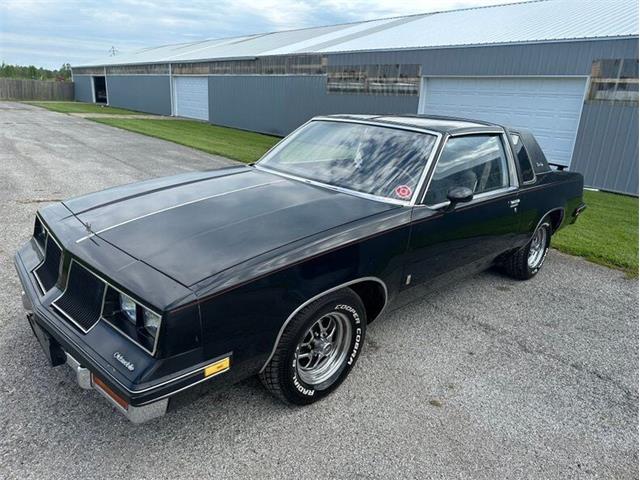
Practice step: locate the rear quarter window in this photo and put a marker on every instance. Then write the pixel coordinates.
(522, 156)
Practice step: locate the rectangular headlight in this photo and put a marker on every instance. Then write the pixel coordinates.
(128, 307)
(134, 320)
(151, 322)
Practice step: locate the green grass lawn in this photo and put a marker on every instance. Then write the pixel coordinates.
(228, 142)
(79, 107)
(606, 233)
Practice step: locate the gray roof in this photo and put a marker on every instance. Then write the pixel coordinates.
(528, 22)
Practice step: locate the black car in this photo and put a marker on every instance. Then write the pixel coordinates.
(276, 268)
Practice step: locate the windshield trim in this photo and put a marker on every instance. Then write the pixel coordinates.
(421, 179)
(333, 187)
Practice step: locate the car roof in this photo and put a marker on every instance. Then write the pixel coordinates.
(428, 122)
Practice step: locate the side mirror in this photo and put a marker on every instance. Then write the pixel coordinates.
(459, 195)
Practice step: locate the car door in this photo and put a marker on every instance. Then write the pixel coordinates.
(448, 241)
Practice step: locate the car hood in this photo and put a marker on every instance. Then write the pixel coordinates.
(196, 225)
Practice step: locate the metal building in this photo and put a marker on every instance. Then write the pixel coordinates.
(566, 69)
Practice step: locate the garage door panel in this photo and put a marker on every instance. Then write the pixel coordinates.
(192, 97)
(549, 107)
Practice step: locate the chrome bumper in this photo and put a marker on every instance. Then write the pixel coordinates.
(83, 375)
(26, 303)
(139, 414)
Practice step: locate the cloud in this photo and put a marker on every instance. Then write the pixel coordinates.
(49, 33)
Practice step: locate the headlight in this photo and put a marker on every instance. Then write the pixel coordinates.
(133, 319)
(128, 307)
(151, 322)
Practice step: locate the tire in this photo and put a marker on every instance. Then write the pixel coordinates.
(520, 265)
(296, 374)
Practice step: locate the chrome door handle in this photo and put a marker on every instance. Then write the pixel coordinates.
(514, 203)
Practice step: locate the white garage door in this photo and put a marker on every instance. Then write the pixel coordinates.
(549, 107)
(191, 97)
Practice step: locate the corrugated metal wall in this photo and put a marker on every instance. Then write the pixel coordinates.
(279, 104)
(144, 93)
(606, 150)
(560, 58)
(82, 88)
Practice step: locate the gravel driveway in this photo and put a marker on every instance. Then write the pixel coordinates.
(492, 378)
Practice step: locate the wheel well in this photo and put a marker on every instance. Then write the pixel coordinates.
(556, 219)
(373, 295)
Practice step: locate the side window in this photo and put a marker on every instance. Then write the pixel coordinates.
(526, 169)
(474, 161)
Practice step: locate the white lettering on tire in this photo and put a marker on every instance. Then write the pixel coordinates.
(303, 390)
(356, 319)
(356, 346)
(349, 309)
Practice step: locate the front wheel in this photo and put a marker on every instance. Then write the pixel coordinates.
(527, 262)
(318, 349)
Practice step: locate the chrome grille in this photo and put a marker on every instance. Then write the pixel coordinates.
(81, 301)
(48, 271)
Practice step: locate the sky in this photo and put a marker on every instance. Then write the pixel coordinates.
(48, 33)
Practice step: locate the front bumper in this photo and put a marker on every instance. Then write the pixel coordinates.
(86, 379)
(136, 414)
(93, 350)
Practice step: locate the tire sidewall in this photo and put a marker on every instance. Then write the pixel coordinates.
(298, 391)
(533, 271)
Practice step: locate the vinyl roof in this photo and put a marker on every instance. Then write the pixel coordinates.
(527, 22)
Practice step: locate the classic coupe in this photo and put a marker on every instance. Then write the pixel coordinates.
(275, 269)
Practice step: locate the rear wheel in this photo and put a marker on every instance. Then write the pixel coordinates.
(318, 349)
(525, 263)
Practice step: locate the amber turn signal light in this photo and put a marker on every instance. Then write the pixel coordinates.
(105, 388)
(217, 367)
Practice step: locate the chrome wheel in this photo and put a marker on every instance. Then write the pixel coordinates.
(324, 348)
(538, 247)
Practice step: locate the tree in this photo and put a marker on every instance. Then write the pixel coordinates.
(35, 73)
(65, 72)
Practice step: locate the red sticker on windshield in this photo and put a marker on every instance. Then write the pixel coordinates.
(403, 191)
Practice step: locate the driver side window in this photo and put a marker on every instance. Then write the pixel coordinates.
(477, 162)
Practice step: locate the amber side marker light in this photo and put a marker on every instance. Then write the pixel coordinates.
(105, 388)
(217, 367)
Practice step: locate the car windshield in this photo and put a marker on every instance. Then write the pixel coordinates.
(380, 161)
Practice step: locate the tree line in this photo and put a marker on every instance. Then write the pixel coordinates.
(63, 74)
